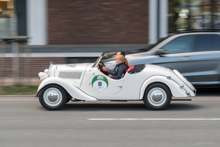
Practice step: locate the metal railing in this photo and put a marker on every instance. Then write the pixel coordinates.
(14, 51)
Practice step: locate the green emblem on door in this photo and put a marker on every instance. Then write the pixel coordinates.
(100, 83)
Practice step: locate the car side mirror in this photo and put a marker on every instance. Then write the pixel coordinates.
(161, 52)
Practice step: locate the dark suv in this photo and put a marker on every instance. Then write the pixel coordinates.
(196, 55)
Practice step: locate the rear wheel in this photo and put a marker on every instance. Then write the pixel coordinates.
(53, 97)
(157, 96)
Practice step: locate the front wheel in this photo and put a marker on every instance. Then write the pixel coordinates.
(157, 96)
(53, 97)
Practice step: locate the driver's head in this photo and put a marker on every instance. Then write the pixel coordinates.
(121, 53)
(119, 59)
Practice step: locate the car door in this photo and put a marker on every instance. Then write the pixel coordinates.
(206, 60)
(178, 55)
(96, 84)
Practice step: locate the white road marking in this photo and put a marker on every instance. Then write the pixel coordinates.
(154, 119)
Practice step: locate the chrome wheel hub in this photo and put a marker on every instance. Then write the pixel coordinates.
(52, 97)
(157, 96)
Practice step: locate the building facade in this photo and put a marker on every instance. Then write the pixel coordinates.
(104, 21)
(56, 22)
(99, 21)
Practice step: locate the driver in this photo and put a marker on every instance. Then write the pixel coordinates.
(121, 67)
(109, 71)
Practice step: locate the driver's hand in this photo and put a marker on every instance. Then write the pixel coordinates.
(110, 75)
(104, 68)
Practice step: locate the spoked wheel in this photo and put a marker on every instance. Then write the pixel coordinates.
(157, 96)
(53, 97)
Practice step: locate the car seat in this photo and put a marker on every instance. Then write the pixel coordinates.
(130, 68)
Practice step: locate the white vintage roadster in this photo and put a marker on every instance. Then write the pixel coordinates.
(155, 85)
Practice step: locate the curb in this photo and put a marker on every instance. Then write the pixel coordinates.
(17, 95)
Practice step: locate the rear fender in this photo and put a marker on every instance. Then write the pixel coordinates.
(174, 87)
(71, 89)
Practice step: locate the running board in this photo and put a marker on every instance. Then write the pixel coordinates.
(181, 100)
(118, 101)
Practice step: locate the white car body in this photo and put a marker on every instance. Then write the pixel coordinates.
(80, 82)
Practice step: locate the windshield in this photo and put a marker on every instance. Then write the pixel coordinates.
(98, 60)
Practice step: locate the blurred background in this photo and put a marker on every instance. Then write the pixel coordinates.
(35, 32)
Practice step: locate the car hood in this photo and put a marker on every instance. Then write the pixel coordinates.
(72, 67)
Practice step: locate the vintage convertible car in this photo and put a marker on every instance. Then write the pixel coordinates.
(153, 84)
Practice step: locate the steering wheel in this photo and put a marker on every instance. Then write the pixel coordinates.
(102, 64)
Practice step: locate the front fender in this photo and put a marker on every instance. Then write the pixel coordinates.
(175, 88)
(71, 89)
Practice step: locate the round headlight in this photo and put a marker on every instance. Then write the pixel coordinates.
(46, 71)
(42, 75)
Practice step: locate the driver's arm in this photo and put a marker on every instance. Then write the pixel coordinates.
(111, 72)
(121, 71)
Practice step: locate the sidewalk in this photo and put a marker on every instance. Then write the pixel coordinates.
(29, 81)
(17, 96)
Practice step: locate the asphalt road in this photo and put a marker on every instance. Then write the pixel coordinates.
(24, 123)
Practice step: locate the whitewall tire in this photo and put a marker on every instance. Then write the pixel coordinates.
(53, 97)
(157, 96)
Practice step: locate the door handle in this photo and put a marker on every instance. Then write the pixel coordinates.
(185, 58)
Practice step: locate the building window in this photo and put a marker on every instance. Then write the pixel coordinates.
(194, 14)
(6, 13)
(6, 8)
